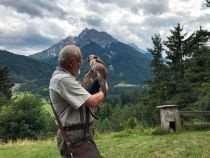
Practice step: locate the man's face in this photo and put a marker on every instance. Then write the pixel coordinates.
(77, 63)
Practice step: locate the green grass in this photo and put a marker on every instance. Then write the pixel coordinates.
(30, 149)
(127, 144)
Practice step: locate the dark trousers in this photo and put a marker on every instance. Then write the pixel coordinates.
(74, 136)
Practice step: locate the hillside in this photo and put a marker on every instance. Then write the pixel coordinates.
(127, 144)
(33, 74)
(23, 68)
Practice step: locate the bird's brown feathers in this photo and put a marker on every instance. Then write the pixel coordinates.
(96, 77)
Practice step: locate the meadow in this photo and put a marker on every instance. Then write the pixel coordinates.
(126, 144)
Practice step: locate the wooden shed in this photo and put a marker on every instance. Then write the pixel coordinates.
(169, 116)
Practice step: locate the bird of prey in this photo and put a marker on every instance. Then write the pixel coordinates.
(95, 79)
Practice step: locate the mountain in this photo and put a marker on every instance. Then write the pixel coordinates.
(32, 74)
(125, 63)
(53, 50)
(85, 37)
(146, 53)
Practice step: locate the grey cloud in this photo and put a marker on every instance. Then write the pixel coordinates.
(154, 7)
(36, 8)
(121, 3)
(107, 1)
(94, 21)
(25, 45)
(25, 40)
(148, 7)
(93, 15)
(99, 8)
(156, 21)
(143, 35)
(203, 19)
(185, 0)
(35, 38)
(29, 37)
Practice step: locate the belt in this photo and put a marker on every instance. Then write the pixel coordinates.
(74, 127)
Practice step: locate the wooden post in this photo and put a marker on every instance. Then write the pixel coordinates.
(178, 121)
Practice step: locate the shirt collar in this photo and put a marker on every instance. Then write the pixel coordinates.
(59, 68)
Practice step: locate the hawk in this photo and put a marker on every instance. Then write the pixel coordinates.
(95, 79)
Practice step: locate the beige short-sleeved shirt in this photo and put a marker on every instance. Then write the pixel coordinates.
(67, 96)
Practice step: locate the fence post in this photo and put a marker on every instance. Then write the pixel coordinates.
(178, 121)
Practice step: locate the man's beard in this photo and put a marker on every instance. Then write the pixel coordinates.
(78, 73)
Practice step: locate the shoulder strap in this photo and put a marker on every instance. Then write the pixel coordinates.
(63, 133)
(86, 129)
(81, 114)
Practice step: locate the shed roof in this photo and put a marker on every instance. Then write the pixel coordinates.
(166, 106)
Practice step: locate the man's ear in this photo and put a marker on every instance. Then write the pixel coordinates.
(70, 64)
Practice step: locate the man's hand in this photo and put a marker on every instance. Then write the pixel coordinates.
(96, 98)
(107, 87)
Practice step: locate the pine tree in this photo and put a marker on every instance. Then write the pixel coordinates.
(175, 53)
(198, 67)
(159, 82)
(177, 50)
(198, 57)
(5, 84)
(157, 86)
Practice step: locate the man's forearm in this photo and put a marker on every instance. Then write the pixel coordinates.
(95, 99)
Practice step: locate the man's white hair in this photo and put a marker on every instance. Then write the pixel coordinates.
(69, 51)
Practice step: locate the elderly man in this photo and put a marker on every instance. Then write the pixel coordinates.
(69, 97)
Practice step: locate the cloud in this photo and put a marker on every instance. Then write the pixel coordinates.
(34, 25)
(154, 7)
(36, 8)
(93, 20)
(26, 39)
(161, 21)
(203, 19)
(23, 33)
(148, 7)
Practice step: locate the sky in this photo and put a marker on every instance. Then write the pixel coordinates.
(30, 26)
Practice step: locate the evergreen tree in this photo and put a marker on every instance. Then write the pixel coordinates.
(175, 53)
(177, 49)
(159, 82)
(157, 86)
(5, 84)
(185, 80)
(198, 67)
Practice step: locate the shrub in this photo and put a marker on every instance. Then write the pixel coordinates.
(24, 117)
(159, 131)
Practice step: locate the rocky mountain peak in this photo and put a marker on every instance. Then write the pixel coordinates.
(55, 49)
(92, 35)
